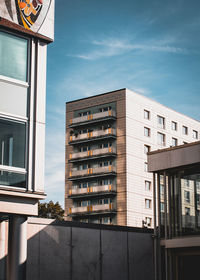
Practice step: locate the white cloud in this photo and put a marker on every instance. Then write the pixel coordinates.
(114, 46)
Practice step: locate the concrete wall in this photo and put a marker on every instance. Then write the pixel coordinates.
(67, 250)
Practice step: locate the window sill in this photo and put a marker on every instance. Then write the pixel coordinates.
(13, 81)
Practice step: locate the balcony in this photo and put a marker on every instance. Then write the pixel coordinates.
(97, 153)
(92, 118)
(92, 190)
(92, 172)
(92, 209)
(94, 135)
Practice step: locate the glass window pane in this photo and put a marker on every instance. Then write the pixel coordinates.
(13, 53)
(12, 179)
(12, 143)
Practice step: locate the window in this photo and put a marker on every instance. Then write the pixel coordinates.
(161, 122)
(147, 149)
(187, 196)
(86, 113)
(145, 166)
(148, 221)
(105, 109)
(174, 125)
(147, 131)
(187, 211)
(195, 134)
(146, 115)
(162, 189)
(12, 153)
(147, 185)
(162, 207)
(14, 56)
(174, 142)
(147, 203)
(161, 139)
(185, 130)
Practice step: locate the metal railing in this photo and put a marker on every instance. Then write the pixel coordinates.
(92, 208)
(91, 171)
(95, 116)
(93, 134)
(96, 152)
(91, 190)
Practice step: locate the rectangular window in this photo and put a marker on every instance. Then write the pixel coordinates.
(187, 196)
(185, 130)
(147, 131)
(161, 122)
(145, 166)
(195, 134)
(162, 189)
(147, 185)
(174, 125)
(187, 211)
(148, 221)
(86, 113)
(161, 139)
(147, 149)
(105, 109)
(146, 115)
(14, 56)
(174, 142)
(12, 153)
(162, 207)
(147, 203)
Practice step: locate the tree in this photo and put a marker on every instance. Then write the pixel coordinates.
(50, 210)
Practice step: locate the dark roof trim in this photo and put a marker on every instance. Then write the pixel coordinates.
(174, 148)
(6, 24)
(97, 95)
(100, 226)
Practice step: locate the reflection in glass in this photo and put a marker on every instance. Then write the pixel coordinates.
(12, 143)
(12, 179)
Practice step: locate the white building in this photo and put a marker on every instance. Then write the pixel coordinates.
(115, 130)
(26, 27)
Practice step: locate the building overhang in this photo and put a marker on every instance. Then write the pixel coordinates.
(174, 157)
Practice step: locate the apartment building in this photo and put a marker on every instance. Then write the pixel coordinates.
(108, 137)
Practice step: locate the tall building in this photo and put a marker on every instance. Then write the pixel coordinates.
(107, 140)
(26, 28)
(176, 187)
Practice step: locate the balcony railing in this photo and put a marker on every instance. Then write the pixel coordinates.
(92, 171)
(92, 135)
(92, 190)
(92, 153)
(92, 209)
(92, 117)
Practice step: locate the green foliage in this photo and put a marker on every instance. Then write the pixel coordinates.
(50, 210)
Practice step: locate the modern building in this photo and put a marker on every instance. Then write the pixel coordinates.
(26, 27)
(177, 211)
(107, 140)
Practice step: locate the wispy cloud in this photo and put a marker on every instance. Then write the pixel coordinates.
(114, 46)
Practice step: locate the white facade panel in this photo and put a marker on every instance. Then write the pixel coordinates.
(135, 141)
(39, 157)
(15, 91)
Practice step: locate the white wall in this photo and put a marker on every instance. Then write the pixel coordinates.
(135, 141)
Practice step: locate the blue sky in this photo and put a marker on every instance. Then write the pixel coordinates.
(151, 47)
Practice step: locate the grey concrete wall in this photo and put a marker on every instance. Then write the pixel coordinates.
(72, 251)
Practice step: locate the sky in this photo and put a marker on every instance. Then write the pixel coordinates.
(151, 47)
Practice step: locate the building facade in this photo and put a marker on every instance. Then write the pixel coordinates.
(177, 211)
(26, 28)
(108, 137)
